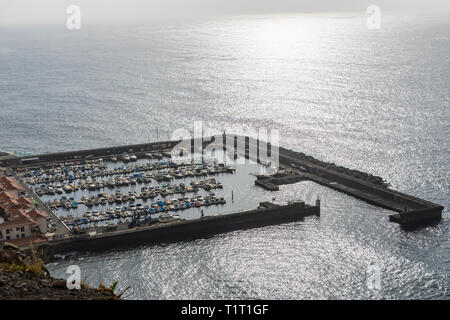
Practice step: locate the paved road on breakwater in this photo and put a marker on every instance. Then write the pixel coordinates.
(363, 190)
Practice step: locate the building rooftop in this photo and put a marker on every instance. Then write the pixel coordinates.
(9, 184)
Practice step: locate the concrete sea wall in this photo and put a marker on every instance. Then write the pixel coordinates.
(184, 230)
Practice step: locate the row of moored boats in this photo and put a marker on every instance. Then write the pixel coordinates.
(146, 193)
(136, 211)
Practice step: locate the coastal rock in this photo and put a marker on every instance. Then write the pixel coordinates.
(28, 285)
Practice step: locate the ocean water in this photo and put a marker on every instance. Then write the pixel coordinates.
(373, 100)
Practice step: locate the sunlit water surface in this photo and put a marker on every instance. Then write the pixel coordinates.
(377, 101)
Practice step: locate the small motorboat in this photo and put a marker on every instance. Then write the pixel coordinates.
(110, 183)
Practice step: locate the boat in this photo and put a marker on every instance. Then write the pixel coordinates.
(87, 214)
(147, 179)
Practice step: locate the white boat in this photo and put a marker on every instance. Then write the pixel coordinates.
(87, 215)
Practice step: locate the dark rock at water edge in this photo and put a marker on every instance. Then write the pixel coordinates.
(28, 285)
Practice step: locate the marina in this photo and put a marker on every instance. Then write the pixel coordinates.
(360, 116)
(98, 193)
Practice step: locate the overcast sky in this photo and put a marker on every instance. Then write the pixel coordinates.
(49, 11)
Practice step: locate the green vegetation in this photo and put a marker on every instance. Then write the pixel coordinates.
(111, 289)
(33, 263)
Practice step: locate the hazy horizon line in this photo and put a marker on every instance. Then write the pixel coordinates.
(28, 12)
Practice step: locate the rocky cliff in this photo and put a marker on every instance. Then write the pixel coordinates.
(25, 277)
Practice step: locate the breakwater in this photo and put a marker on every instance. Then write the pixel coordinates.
(42, 159)
(411, 209)
(369, 188)
(160, 232)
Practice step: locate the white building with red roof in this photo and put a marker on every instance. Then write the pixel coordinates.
(20, 227)
(20, 221)
(10, 184)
